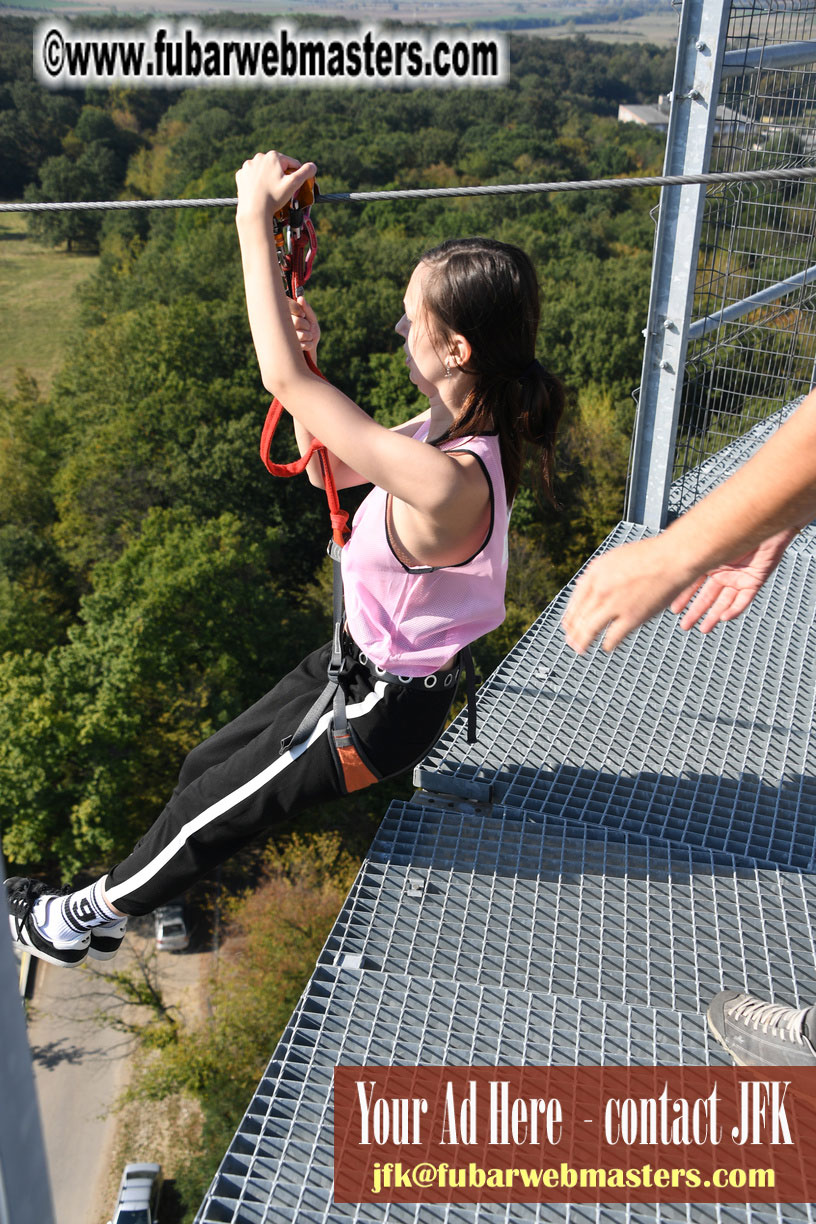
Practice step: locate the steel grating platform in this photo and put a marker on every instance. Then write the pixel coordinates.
(279, 1166)
(705, 740)
(551, 905)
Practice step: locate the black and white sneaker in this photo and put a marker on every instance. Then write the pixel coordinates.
(21, 896)
(106, 940)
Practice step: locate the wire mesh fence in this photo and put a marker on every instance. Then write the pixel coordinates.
(753, 344)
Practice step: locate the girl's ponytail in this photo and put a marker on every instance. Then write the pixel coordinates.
(487, 292)
(540, 411)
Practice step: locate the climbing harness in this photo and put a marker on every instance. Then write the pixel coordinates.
(296, 246)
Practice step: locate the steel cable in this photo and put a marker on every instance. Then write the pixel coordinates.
(787, 174)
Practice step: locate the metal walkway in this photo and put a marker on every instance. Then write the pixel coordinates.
(629, 835)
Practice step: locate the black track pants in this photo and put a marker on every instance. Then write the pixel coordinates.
(241, 782)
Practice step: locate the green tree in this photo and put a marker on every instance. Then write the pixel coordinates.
(181, 632)
(93, 170)
(37, 596)
(32, 122)
(61, 179)
(28, 454)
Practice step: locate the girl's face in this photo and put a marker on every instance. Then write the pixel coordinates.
(426, 368)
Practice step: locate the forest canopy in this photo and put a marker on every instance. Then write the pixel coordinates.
(153, 578)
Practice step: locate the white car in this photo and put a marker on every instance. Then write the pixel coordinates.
(139, 1191)
(172, 934)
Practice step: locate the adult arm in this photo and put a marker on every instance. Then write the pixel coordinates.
(725, 592)
(772, 495)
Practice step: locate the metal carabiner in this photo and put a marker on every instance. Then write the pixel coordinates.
(289, 223)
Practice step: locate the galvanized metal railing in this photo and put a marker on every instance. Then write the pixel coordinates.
(731, 333)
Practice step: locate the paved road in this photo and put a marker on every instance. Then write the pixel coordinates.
(79, 1068)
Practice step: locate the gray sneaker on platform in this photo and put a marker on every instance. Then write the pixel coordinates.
(758, 1034)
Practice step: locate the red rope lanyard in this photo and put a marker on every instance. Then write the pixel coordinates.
(296, 264)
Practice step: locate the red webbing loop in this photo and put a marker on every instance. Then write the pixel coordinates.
(273, 416)
(298, 266)
(338, 516)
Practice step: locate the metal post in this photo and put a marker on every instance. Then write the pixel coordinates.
(695, 93)
(25, 1193)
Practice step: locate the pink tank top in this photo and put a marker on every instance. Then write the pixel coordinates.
(413, 620)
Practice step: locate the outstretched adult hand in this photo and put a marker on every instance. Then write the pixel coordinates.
(624, 588)
(620, 591)
(724, 593)
(753, 516)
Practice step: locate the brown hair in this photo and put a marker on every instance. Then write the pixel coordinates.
(487, 291)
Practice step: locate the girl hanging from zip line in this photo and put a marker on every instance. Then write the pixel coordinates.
(423, 571)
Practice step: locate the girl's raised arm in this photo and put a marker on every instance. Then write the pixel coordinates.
(423, 477)
(307, 330)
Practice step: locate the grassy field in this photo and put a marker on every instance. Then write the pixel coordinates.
(38, 302)
(658, 28)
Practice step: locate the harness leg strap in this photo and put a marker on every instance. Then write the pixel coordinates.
(356, 773)
(470, 689)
